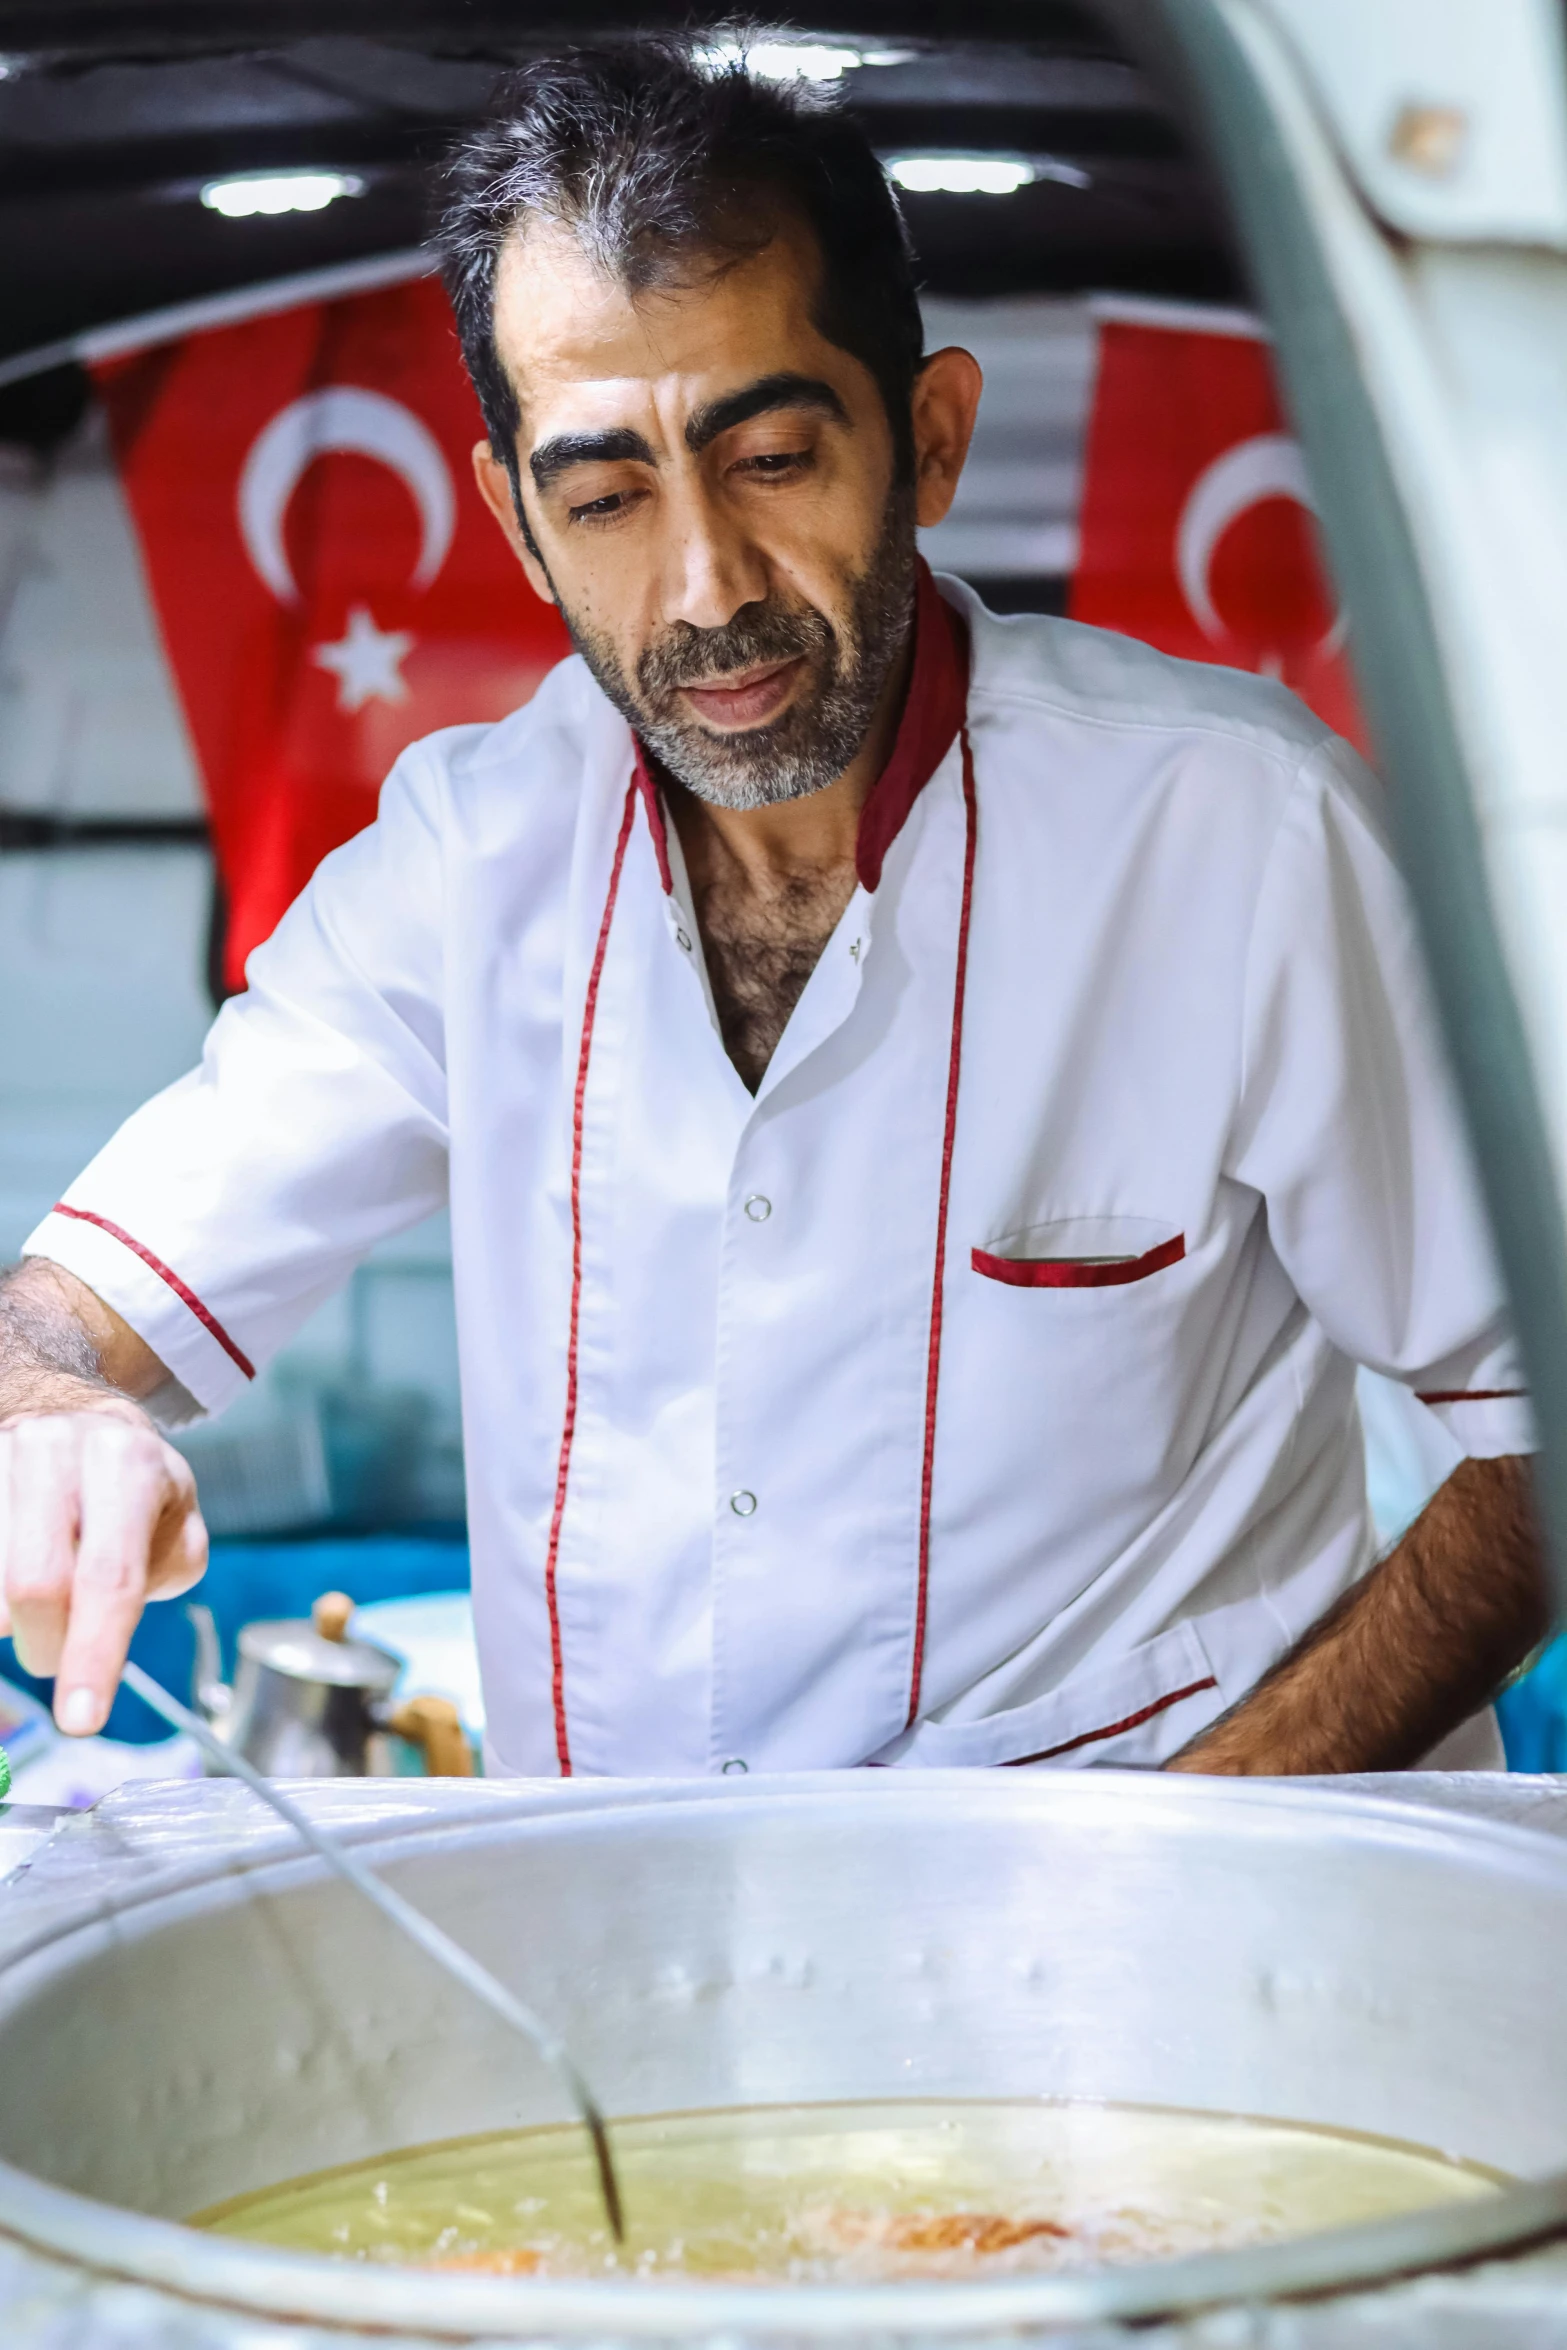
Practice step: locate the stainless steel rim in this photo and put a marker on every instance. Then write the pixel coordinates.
(263, 2281)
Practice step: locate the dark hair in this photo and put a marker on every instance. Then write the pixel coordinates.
(656, 157)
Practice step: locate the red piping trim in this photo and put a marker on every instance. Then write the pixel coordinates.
(1471, 1394)
(933, 1358)
(187, 1297)
(1114, 1729)
(569, 1426)
(1078, 1272)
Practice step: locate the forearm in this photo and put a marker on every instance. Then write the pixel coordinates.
(63, 1350)
(1425, 1640)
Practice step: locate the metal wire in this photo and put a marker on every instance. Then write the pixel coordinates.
(435, 1944)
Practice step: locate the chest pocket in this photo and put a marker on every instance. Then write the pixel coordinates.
(1081, 1252)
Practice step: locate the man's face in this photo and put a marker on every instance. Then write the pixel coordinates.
(710, 489)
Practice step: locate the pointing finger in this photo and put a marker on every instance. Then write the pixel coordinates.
(41, 1456)
(123, 1491)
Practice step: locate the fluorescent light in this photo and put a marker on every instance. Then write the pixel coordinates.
(278, 191)
(797, 61)
(801, 61)
(961, 175)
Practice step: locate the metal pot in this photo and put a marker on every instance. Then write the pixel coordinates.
(309, 1703)
(1199, 1943)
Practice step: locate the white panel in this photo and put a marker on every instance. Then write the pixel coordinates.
(102, 1002)
(89, 721)
(1452, 113)
(1464, 358)
(1016, 507)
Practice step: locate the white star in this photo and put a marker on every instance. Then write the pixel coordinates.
(367, 661)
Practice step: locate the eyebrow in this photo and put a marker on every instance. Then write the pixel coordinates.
(784, 390)
(617, 447)
(620, 445)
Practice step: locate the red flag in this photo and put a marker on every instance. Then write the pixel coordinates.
(328, 584)
(1197, 532)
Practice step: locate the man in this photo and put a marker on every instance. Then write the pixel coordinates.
(933, 1108)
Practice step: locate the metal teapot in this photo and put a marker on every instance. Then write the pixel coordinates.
(309, 1703)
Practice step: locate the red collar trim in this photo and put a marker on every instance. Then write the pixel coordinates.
(932, 714)
(646, 784)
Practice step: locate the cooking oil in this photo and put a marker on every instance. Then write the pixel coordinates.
(854, 2193)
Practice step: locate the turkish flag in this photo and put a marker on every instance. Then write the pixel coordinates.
(1196, 530)
(328, 583)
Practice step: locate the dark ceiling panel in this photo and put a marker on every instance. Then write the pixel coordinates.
(116, 111)
(498, 28)
(135, 256)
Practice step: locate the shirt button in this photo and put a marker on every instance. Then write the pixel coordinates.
(735, 1764)
(743, 1504)
(683, 941)
(758, 1208)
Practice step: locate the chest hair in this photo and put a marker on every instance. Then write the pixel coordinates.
(763, 941)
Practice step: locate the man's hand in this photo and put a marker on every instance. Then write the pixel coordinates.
(97, 1513)
(1422, 1643)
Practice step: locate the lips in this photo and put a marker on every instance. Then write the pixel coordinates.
(750, 699)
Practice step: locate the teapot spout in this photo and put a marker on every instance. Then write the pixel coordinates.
(210, 1693)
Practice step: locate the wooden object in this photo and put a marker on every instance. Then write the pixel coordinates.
(434, 1725)
(331, 1613)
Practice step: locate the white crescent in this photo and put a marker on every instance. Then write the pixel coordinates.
(367, 424)
(1269, 465)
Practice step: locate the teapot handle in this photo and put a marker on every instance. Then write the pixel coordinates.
(434, 1725)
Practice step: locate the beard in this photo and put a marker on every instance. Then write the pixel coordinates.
(822, 730)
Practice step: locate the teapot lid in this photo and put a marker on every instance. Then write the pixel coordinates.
(318, 1649)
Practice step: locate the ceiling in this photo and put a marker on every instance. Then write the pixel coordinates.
(114, 113)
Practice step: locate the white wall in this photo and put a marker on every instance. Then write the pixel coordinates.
(1017, 503)
(101, 951)
(103, 996)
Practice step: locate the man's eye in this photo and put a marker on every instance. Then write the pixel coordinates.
(773, 462)
(599, 509)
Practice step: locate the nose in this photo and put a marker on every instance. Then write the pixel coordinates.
(713, 566)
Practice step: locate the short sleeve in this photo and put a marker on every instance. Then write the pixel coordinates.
(1348, 1121)
(231, 1204)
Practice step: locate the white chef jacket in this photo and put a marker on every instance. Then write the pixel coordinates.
(981, 1391)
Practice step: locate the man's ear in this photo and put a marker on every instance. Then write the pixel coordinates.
(495, 489)
(946, 401)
